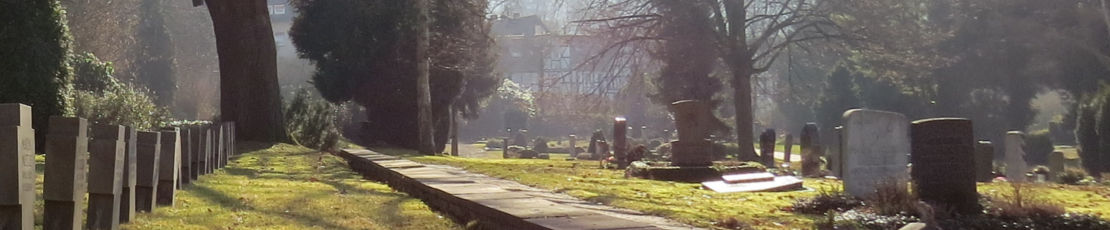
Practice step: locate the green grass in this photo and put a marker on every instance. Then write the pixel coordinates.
(688, 203)
(286, 187)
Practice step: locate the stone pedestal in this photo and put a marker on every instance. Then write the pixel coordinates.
(692, 153)
(620, 141)
(147, 167)
(130, 160)
(767, 148)
(65, 182)
(811, 150)
(106, 161)
(1016, 166)
(876, 145)
(168, 166)
(942, 160)
(17, 167)
(691, 148)
(984, 161)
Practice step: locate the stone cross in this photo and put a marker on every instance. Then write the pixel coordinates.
(573, 150)
(788, 143)
(691, 148)
(127, 193)
(168, 166)
(943, 162)
(1015, 156)
(620, 141)
(811, 149)
(65, 182)
(147, 167)
(106, 161)
(767, 148)
(17, 167)
(1055, 165)
(876, 145)
(984, 161)
(186, 158)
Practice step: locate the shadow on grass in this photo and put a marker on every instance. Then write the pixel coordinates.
(234, 204)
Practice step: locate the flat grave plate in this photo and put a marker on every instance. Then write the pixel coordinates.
(781, 183)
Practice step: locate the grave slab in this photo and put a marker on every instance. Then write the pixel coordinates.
(17, 167)
(780, 183)
(169, 166)
(66, 179)
(106, 159)
(147, 168)
(533, 208)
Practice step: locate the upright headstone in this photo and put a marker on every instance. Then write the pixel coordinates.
(65, 183)
(221, 151)
(197, 151)
(146, 170)
(130, 161)
(168, 166)
(106, 161)
(984, 161)
(185, 175)
(836, 153)
(573, 149)
(602, 150)
(875, 148)
(811, 150)
(17, 167)
(207, 161)
(788, 144)
(620, 141)
(505, 148)
(691, 148)
(1055, 165)
(942, 160)
(767, 148)
(1015, 156)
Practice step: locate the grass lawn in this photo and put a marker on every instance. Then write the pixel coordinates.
(287, 187)
(687, 203)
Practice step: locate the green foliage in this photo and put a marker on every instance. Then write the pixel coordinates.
(33, 69)
(1093, 131)
(1072, 176)
(311, 122)
(102, 99)
(155, 59)
(838, 96)
(828, 199)
(1038, 145)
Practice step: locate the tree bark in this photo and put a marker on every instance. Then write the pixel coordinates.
(454, 132)
(426, 143)
(742, 101)
(249, 93)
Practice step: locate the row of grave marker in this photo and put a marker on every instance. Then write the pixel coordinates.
(122, 170)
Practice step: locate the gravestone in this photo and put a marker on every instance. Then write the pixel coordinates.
(811, 150)
(836, 153)
(505, 148)
(875, 148)
(106, 161)
(185, 175)
(767, 148)
(1015, 156)
(17, 167)
(573, 149)
(788, 143)
(691, 148)
(591, 149)
(1055, 165)
(168, 166)
(65, 182)
(197, 151)
(207, 160)
(221, 151)
(942, 158)
(127, 193)
(146, 169)
(602, 150)
(620, 141)
(984, 161)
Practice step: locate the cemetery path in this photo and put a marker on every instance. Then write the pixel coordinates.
(504, 203)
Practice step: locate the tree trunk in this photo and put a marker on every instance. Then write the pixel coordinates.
(426, 143)
(454, 132)
(249, 93)
(742, 101)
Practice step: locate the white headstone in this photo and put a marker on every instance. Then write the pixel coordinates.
(875, 146)
(1015, 156)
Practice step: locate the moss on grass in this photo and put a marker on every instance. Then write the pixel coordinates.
(283, 186)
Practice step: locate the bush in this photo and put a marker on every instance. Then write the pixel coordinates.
(311, 121)
(892, 197)
(827, 199)
(1022, 202)
(1038, 145)
(1092, 130)
(33, 67)
(103, 100)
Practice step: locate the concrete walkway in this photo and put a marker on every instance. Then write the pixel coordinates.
(496, 203)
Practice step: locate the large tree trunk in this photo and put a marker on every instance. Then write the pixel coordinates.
(426, 144)
(742, 100)
(249, 93)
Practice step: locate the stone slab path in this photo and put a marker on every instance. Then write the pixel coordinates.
(496, 203)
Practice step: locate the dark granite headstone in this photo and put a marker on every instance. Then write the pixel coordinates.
(788, 144)
(811, 150)
(620, 141)
(17, 167)
(169, 165)
(505, 148)
(130, 160)
(66, 181)
(186, 158)
(147, 167)
(984, 161)
(767, 148)
(943, 162)
(106, 161)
